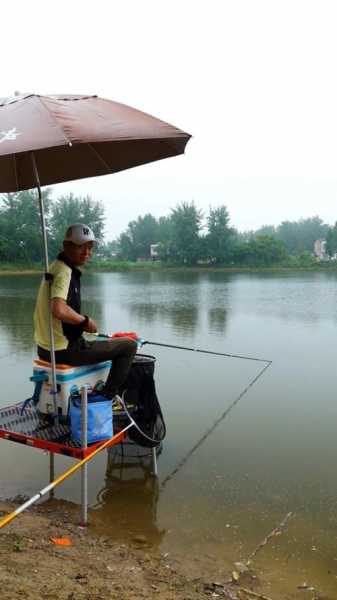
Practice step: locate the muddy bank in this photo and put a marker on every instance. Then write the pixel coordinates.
(33, 566)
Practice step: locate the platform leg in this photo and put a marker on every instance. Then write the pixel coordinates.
(51, 472)
(84, 443)
(154, 462)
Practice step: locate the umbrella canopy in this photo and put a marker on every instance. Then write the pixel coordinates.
(74, 137)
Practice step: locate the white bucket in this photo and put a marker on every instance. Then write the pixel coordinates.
(66, 378)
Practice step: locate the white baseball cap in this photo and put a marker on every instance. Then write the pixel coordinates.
(79, 234)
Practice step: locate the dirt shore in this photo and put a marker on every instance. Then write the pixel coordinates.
(33, 566)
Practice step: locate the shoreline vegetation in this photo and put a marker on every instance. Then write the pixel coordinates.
(157, 266)
(185, 238)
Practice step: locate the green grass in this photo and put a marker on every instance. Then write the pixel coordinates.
(120, 266)
(10, 268)
(111, 266)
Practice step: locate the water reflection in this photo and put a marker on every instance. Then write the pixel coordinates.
(170, 278)
(17, 304)
(182, 318)
(291, 297)
(217, 319)
(178, 301)
(130, 495)
(16, 321)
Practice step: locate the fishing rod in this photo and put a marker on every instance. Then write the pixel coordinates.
(205, 351)
(115, 439)
(202, 351)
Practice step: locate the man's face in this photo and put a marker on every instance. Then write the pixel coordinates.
(78, 255)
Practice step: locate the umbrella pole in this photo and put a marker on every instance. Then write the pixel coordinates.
(51, 331)
(84, 444)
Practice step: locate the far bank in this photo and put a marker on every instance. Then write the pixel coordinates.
(156, 266)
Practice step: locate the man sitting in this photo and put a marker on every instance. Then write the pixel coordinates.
(68, 323)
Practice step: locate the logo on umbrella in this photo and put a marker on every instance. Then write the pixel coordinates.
(11, 134)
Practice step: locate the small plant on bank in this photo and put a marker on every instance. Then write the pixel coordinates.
(19, 544)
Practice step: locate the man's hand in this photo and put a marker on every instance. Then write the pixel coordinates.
(91, 326)
(65, 313)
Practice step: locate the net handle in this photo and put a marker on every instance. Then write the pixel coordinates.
(144, 435)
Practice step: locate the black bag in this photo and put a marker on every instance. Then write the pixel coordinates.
(139, 395)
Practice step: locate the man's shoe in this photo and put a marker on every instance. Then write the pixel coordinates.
(117, 404)
(99, 388)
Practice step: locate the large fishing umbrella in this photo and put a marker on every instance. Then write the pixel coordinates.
(52, 139)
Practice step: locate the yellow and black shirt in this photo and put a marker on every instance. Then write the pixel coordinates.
(66, 285)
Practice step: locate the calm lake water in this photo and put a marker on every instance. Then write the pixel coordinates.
(273, 452)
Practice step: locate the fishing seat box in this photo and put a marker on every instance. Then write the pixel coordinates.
(67, 378)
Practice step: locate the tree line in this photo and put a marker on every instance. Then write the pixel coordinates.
(189, 237)
(20, 237)
(186, 236)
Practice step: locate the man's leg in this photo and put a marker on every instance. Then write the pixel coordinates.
(120, 350)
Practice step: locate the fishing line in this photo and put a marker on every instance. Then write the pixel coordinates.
(209, 431)
(215, 425)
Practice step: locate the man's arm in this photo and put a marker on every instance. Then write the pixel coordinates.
(65, 313)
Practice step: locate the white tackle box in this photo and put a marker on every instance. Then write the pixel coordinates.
(67, 377)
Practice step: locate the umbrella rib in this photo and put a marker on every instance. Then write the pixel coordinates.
(100, 158)
(69, 142)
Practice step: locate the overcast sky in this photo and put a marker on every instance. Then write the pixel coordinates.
(254, 82)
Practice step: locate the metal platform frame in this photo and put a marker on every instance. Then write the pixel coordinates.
(25, 426)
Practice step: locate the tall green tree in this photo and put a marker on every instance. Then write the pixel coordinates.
(20, 228)
(219, 239)
(108, 249)
(263, 250)
(266, 230)
(300, 236)
(136, 241)
(126, 249)
(184, 245)
(165, 236)
(70, 209)
(144, 233)
(164, 228)
(331, 240)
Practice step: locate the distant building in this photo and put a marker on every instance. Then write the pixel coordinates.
(320, 250)
(154, 251)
